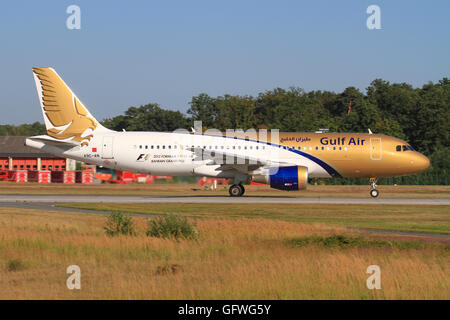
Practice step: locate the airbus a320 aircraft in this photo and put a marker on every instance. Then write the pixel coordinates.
(282, 160)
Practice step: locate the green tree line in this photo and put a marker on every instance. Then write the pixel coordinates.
(33, 129)
(420, 116)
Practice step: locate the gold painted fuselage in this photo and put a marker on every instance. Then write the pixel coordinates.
(358, 154)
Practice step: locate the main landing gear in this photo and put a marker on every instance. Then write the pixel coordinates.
(373, 188)
(236, 190)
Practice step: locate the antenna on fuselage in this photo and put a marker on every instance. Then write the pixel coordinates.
(370, 131)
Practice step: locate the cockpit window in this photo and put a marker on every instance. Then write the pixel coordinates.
(404, 148)
(398, 148)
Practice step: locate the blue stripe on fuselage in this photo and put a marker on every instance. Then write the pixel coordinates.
(331, 171)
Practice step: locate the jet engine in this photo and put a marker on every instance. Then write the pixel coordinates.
(284, 178)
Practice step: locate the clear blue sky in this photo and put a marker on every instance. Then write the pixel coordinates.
(130, 53)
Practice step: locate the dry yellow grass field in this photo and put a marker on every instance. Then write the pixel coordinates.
(231, 259)
(418, 218)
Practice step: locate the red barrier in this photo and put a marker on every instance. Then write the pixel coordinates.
(45, 177)
(18, 175)
(130, 177)
(33, 176)
(205, 180)
(39, 176)
(87, 177)
(125, 176)
(68, 176)
(57, 176)
(84, 176)
(3, 175)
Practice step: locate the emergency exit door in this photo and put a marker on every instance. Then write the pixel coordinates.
(107, 148)
(375, 149)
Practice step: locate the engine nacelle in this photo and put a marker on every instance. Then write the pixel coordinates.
(284, 178)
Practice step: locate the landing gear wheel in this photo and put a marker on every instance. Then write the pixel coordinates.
(373, 187)
(374, 193)
(236, 190)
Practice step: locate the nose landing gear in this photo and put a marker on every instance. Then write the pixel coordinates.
(236, 190)
(373, 188)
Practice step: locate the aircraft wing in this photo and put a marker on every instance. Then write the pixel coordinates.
(232, 161)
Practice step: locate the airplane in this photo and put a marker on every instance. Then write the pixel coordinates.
(283, 160)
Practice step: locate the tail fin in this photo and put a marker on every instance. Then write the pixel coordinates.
(65, 117)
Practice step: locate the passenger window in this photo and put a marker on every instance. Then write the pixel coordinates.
(398, 148)
(404, 148)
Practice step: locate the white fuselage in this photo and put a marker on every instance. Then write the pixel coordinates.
(162, 153)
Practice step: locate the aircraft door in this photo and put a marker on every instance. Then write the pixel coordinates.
(107, 148)
(375, 149)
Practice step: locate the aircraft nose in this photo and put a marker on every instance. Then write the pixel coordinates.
(421, 162)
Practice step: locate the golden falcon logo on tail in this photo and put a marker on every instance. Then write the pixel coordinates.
(68, 116)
